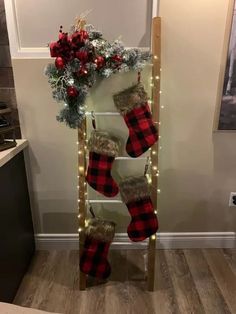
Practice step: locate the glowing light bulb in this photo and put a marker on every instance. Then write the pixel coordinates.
(81, 169)
(162, 107)
(79, 230)
(154, 168)
(79, 152)
(71, 81)
(154, 152)
(155, 57)
(160, 92)
(153, 237)
(155, 212)
(157, 77)
(158, 191)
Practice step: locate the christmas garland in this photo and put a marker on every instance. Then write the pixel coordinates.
(82, 56)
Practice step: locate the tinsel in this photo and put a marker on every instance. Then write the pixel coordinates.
(81, 57)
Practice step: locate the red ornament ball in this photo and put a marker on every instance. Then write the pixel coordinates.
(82, 71)
(72, 91)
(59, 63)
(100, 61)
(84, 34)
(117, 58)
(82, 55)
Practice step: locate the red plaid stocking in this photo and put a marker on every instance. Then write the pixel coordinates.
(98, 237)
(103, 149)
(135, 193)
(132, 104)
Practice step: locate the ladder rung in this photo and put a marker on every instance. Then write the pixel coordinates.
(127, 158)
(104, 201)
(106, 113)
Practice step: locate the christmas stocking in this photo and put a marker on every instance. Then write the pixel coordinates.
(98, 237)
(103, 150)
(132, 104)
(135, 193)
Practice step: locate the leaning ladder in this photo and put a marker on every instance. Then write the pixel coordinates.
(82, 146)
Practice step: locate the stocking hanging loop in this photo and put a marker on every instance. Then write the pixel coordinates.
(93, 120)
(91, 211)
(146, 166)
(139, 76)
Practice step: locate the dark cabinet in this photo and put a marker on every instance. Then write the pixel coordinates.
(16, 228)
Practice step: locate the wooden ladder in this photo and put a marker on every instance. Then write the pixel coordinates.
(82, 146)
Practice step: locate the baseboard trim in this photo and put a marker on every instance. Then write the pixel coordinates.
(174, 240)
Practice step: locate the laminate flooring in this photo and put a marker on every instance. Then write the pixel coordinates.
(186, 281)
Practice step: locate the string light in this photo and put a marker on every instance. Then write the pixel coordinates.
(155, 212)
(160, 92)
(153, 237)
(158, 191)
(157, 77)
(79, 152)
(77, 143)
(154, 152)
(151, 84)
(155, 57)
(79, 216)
(81, 169)
(162, 107)
(71, 81)
(79, 230)
(154, 168)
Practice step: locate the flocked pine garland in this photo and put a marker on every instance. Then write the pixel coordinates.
(81, 57)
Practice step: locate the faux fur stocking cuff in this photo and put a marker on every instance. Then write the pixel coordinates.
(101, 230)
(126, 100)
(134, 188)
(103, 143)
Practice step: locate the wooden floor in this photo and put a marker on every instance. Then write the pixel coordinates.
(187, 281)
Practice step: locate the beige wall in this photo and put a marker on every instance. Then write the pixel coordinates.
(39, 21)
(197, 167)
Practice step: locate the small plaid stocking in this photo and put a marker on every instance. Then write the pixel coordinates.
(98, 237)
(135, 194)
(132, 104)
(103, 150)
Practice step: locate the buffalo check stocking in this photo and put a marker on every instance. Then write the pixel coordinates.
(132, 104)
(98, 237)
(103, 150)
(135, 194)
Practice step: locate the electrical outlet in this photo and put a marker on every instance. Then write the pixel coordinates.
(232, 199)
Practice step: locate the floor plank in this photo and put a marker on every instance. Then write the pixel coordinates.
(209, 292)
(230, 256)
(164, 298)
(224, 276)
(184, 288)
(31, 281)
